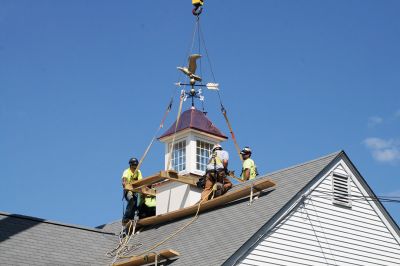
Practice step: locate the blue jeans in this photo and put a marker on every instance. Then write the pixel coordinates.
(131, 207)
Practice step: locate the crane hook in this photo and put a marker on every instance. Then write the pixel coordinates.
(197, 11)
(197, 7)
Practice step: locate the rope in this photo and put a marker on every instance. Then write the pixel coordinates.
(123, 241)
(195, 29)
(124, 244)
(173, 234)
(176, 232)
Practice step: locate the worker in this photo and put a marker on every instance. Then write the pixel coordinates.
(148, 206)
(216, 179)
(249, 169)
(132, 198)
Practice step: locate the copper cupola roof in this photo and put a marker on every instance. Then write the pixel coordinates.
(194, 119)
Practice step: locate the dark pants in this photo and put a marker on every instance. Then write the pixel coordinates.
(211, 179)
(146, 211)
(131, 207)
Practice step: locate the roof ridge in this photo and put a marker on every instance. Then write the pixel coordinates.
(304, 163)
(268, 175)
(31, 218)
(101, 226)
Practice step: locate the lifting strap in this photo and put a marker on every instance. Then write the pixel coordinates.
(223, 110)
(155, 136)
(182, 97)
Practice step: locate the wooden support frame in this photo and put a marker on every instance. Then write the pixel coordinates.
(149, 258)
(213, 203)
(162, 175)
(147, 181)
(143, 190)
(186, 179)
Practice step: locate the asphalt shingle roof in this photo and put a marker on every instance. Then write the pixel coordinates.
(217, 234)
(209, 240)
(31, 241)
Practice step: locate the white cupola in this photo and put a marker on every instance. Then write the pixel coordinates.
(193, 141)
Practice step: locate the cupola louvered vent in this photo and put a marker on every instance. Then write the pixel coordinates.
(341, 189)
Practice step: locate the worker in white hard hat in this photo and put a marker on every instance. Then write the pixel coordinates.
(216, 182)
(249, 169)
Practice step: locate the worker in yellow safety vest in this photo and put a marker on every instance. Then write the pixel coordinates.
(249, 169)
(132, 198)
(148, 206)
(216, 182)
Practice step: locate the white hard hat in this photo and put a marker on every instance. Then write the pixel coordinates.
(217, 147)
(245, 150)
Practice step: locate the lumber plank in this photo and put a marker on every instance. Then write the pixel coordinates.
(226, 198)
(143, 190)
(170, 175)
(186, 179)
(148, 258)
(149, 191)
(231, 174)
(147, 180)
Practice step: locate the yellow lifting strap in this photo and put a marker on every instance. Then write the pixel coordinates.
(223, 110)
(197, 2)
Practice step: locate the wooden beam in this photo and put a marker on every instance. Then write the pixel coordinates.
(149, 191)
(186, 179)
(232, 175)
(170, 175)
(148, 258)
(219, 201)
(147, 180)
(143, 190)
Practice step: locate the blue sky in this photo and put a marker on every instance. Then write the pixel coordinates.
(84, 84)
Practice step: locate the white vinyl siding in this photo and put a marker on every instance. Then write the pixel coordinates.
(320, 232)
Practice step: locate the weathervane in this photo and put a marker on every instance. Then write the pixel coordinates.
(190, 71)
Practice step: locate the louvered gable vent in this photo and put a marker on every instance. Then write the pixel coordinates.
(341, 189)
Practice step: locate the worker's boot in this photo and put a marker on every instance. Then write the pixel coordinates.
(218, 189)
